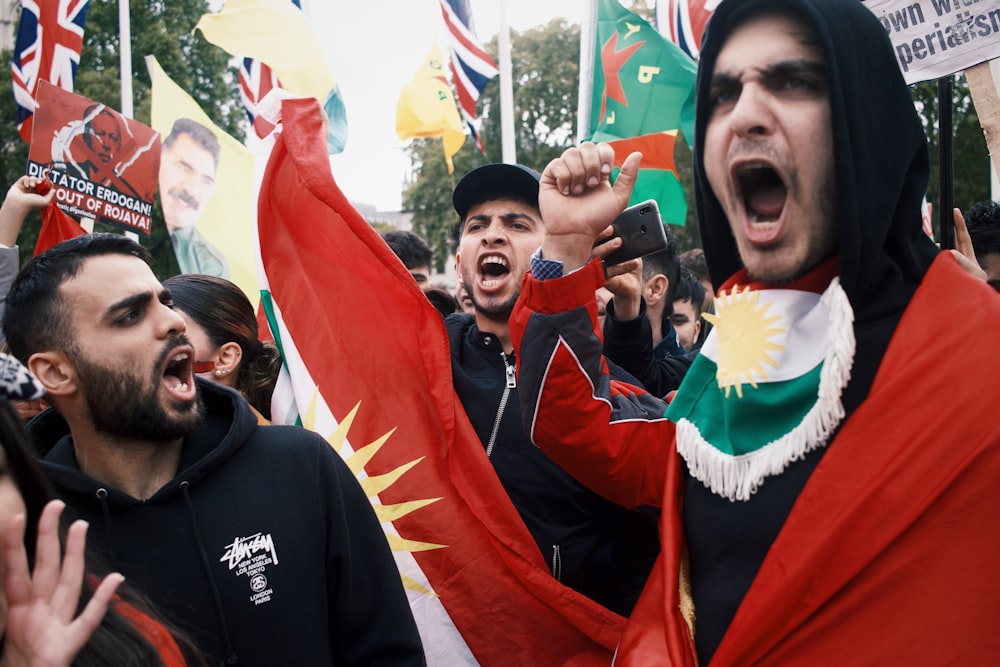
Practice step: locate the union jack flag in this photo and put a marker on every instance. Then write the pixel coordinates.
(683, 22)
(256, 81)
(471, 66)
(48, 47)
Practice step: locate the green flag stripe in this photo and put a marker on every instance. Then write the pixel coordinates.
(737, 426)
(662, 186)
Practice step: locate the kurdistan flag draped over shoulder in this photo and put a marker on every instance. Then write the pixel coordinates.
(775, 364)
(369, 367)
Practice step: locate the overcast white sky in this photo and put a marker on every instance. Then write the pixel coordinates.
(374, 48)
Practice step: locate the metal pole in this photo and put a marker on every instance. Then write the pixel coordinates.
(946, 162)
(125, 52)
(507, 143)
(588, 39)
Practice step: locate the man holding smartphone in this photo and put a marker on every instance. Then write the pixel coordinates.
(586, 542)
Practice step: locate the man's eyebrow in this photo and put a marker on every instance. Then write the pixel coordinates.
(130, 301)
(774, 70)
(723, 80)
(517, 215)
(800, 66)
(506, 217)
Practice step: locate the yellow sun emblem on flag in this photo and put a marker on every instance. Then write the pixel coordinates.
(376, 484)
(744, 335)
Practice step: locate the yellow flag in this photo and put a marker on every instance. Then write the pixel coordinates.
(275, 32)
(427, 108)
(206, 187)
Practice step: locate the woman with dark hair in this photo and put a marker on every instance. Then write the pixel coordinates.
(51, 611)
(222, 327)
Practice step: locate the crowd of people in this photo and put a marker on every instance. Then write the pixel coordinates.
(728, 446)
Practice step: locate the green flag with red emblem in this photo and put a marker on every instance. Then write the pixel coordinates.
(643, 87)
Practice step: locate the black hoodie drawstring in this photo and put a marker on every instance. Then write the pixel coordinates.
(102, 497)
(231, 658)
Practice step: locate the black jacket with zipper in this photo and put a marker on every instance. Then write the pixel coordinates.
(591, 545)
(263, 547)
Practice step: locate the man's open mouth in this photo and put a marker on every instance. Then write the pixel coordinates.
(763, 191)
(492, 269)
(178, 374)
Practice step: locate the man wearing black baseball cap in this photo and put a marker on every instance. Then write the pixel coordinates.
(589, 544)
(499, 227)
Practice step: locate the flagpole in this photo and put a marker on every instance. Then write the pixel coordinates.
(588, 39)
(509, 151)
(125, 53)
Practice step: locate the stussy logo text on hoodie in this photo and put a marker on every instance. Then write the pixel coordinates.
(250, 556)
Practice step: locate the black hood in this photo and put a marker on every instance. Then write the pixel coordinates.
(880, 164)
(880, 154)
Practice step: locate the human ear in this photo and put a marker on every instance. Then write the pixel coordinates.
(229, 356)
(55, 372)
(656, 289)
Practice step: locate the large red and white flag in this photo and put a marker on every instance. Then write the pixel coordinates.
(369, 367)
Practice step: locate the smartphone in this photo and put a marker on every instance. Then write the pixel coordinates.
(641, 231)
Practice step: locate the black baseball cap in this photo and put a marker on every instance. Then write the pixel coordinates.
(494, 181)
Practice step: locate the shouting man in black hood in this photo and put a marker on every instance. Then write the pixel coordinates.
(816, 508)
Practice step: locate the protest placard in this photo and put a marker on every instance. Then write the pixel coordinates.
(102, 165)
(934, 38)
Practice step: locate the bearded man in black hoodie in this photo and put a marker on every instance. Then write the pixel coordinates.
(258, 541)
(818, 507)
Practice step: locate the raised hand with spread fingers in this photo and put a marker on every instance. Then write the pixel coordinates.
(43, 626)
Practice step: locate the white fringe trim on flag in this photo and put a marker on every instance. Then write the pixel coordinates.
(738, 477)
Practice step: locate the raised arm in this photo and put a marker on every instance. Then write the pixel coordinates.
(22, 198)
(612, 439)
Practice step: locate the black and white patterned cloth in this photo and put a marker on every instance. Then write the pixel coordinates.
(16, 382)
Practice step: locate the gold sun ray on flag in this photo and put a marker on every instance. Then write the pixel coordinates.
(376, 484)
(744, 338)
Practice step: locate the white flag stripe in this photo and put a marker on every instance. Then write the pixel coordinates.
(803, 345)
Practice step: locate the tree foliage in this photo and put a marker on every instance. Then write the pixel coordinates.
(159, 28)
(545, 70)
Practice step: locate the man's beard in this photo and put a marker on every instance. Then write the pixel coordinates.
(496, 311)
(128, 406)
